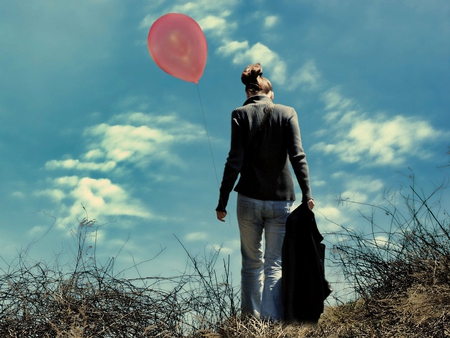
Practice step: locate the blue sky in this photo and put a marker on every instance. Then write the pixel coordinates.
(88, 119)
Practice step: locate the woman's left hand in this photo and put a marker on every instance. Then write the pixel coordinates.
(311, 204)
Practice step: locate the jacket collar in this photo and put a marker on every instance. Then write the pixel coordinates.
(258, 99)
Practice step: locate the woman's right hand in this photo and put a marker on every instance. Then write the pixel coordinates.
(221, 215)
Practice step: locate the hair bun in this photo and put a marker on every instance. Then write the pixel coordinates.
(251, 73)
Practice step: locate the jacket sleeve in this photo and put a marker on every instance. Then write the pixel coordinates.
(234, 162)
(297, 157)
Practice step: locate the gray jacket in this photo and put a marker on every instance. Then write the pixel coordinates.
(265, 171)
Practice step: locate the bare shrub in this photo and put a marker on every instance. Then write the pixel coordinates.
(400, 269)
(87, 300)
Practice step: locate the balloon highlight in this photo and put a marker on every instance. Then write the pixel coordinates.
(178, 46)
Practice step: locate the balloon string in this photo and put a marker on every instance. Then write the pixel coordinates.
(207, 135)
(209, 141)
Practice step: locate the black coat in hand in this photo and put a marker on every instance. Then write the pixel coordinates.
(304, 285)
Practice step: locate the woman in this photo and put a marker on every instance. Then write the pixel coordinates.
(265, 189)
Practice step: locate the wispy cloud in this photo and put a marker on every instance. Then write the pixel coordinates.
(376, 140)
(243, 54)
(78, 165)
(227, 248)
(361, 188)
(217, 25)
(195, 236)
(270, 21)
(307, 77)
(135, 139)
(330, 217)
(206, 12)
(98, 196)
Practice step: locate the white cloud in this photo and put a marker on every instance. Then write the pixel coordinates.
(76, 164)
(359, 184)
(66, 181)
(201, 10)
(127, 142)
(243, 54)
(133, 138)
(212, 22)
(308, 77)
(334, 100)
(257, 53)
(56, 195)
(94, 154)
(100, 197)
(232, 47)
(372, 141)
(141, 138)
(329, 217)
(355, 195)
(217, 25)
(380, 241)
(37, 230)
(195, 236)
(228, 248)
(319, 182)
(223, 249)
(270, 21)
(17, 194)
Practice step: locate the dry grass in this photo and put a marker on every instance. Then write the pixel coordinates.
(402, 282)
(88, 301)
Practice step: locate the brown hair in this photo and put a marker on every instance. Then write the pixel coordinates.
(253, 80)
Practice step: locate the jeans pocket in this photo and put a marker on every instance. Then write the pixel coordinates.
(281, 211)
(246, 211)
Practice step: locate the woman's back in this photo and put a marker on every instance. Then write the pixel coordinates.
(266, 172)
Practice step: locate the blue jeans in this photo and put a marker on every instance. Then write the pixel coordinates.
(261, 288)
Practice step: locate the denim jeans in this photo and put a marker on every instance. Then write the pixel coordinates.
(261, 288)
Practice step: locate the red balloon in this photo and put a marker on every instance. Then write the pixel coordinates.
(178, 46)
